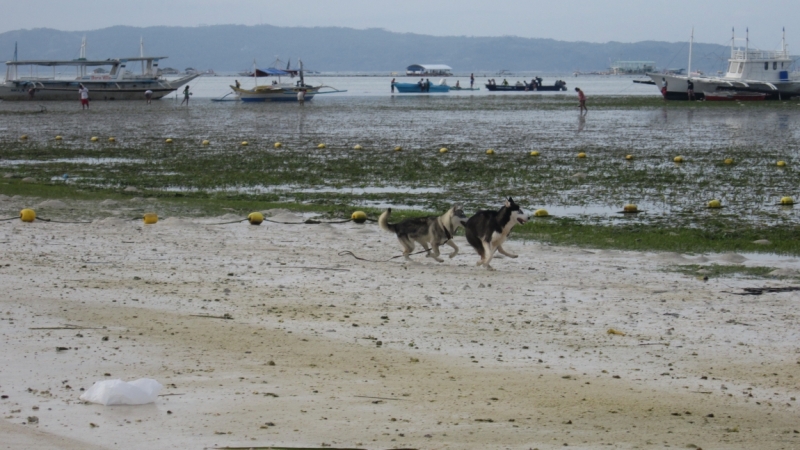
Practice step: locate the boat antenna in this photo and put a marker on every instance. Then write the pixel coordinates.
(141, 51)
(783, 42)
(733, 40)
(747, 42)
(691, 42)
(255, 74)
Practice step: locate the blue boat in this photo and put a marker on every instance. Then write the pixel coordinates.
(406, 88)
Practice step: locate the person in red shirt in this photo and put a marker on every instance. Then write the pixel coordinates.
(581, 100)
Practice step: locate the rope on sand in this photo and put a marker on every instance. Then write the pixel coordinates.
(348, 252)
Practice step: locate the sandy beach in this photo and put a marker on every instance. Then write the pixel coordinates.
(266, 336)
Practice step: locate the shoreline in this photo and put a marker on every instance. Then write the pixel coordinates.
(469, 358)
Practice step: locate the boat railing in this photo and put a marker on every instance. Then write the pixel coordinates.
(742, 55)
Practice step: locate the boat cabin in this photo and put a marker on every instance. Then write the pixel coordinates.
(751, 64)
(118, 67)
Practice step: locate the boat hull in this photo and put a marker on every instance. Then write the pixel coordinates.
(728, 96)
(67, 90)
(513, 87)
(269, 94)
(410, 88)
(677, 87)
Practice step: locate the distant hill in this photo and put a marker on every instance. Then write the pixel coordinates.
(233, 47)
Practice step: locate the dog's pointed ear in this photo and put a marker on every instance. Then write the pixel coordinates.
(508, 202)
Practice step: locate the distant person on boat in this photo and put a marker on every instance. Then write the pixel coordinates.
(505, 82)
(84, 97)
(458, 84)
(664, 88)
(581, 100)
(186, 95)
(393, 81)
(148, 95)
(238, 85)
(690, 89)
(421, 84)
(471, 80)
(427, 84)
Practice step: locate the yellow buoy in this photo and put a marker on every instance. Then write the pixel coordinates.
(629, 208)
(112, 139)
(27, 215)
(678, 159)
(398, 149)
(728, 161)
(168, 141)
(787, 201)
(781, 163)
(244, 143)
(490, 152)
(629, 157)
(541, 213)
(534, 153)
(23, 137)
(94, 139)
(321, 146)
(255, 218)
(150, 218)
(206, 142)
(443, 150)
(58, 138)
(358, 147)
(581, 155)
(277, 145)
(359, 217)
(715, 204)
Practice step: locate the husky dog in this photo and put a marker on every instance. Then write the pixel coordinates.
(431, 230)
(487, 230)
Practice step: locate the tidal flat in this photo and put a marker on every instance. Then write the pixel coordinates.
(583, 195)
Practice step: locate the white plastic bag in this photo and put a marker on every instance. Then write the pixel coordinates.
(118, 392)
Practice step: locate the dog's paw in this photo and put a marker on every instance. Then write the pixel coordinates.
(479, 263)
(439, 259)
(453, 255)
(490, 268)
(511, 255)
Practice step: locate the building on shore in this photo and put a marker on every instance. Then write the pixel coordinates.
(633, 67)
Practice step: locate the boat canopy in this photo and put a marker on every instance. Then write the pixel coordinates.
(82, 62)
(428, 68)
(272, 72)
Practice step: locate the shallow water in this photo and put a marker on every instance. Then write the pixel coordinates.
(755, 135)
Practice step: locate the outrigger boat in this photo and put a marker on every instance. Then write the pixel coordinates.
(278, 91)
(116, 83)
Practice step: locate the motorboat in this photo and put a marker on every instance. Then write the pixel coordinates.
(423, 86)
(749, 70)
(731, 96)
(534, 85)
(115, 82)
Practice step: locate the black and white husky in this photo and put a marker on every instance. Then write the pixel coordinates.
(430, 230)
(487, 230)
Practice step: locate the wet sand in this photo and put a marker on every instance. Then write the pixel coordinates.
(468, 359)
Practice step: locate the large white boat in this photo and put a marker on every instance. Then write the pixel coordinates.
(33, 80)
(749, 70)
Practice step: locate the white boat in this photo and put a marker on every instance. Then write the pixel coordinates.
(278, 91)
(117, 82)
(749, 70)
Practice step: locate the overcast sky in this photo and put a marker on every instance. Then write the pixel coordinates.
(569, 20)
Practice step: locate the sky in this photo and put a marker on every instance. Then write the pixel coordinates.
(567, 20)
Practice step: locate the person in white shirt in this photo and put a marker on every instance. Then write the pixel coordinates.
(84, 97)
(148, 95)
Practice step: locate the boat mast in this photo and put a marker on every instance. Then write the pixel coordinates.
(691, 42)
(82, 69)
(747, 43)
(733, 40)
(302, 82)
(141, 52)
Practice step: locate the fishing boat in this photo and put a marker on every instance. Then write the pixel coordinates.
(117, 82)
(731, 96)
(535, 85)
(749, 70)
(278, 91)
(425, 87)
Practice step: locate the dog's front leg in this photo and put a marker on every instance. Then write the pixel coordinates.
(435, 254)
(503, 252)
(455, 248)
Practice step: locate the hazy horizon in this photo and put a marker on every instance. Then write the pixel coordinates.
(568, 20)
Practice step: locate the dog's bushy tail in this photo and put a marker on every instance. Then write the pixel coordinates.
(383, 221)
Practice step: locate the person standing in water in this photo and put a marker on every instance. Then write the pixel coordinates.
(84, 97)
(581, 100)
(690, 89)
(471, 80)
(186, 95)
(393, 85)
(148, 95)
